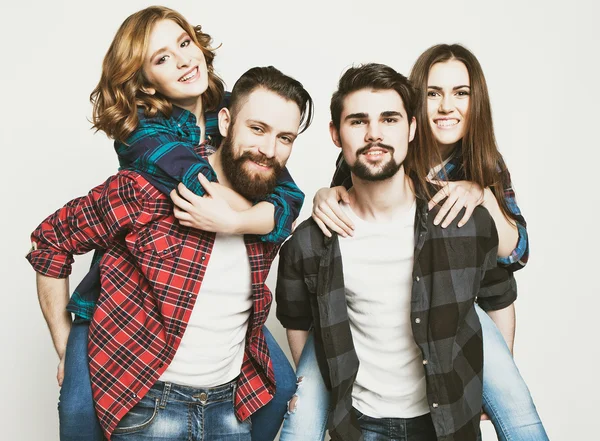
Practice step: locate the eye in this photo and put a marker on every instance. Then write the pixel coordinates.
(287, 139)
(257, 129)
(432, 93)
(390, 120)
(162, 59)
(185, 43)
(356, 122)
(463, 93)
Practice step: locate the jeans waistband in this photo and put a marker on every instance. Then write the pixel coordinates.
(166, 391)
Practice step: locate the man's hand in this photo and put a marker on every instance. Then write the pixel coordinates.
(208, 213)
(60, 371)
(484, 416)
(327, 212)
(459, 194)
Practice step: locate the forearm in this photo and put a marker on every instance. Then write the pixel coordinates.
(53, 295)
(259, 219)
(505, 320)
(296, 340)
(508, 235)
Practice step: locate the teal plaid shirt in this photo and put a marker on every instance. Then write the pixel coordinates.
(162, 150)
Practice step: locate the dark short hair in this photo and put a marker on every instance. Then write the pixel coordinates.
(373, 76)
(272, 79)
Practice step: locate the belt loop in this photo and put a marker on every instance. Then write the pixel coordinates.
(234, 388)
(165, 395)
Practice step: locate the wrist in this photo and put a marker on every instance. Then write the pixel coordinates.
(488, 198)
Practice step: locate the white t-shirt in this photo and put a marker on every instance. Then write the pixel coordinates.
(377, 264)
(212, 348)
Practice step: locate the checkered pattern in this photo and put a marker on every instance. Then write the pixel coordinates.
(453, 171)
(452, 267)
(162, 150)
(152, 273)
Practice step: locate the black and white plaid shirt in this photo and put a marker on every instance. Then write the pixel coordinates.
(453, 267)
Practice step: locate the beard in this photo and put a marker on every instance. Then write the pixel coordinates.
(251, 185)
(375, 172)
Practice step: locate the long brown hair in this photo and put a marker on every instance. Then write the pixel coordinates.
(482, 163)
(120, 90)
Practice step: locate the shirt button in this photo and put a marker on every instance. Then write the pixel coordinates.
(417, 320)
(425, 361)
(189, 295)
(203, 257)
(134, 395)
(417, 278)
(434, 405)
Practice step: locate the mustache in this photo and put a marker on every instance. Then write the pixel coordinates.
(366, 148)
(259, 157)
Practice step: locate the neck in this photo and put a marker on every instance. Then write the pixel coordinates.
(379, 201)
(447, 149)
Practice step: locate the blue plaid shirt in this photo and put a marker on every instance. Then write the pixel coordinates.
(452, 171)
(162, 150)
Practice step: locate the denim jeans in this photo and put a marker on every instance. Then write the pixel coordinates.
(173, 412)
(397, 429)
(77, 417)
(506, 398)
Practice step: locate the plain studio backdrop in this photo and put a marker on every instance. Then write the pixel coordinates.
(540, 61)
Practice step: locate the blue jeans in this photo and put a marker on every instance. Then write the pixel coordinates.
(506, 398)
(173, 412)
(77, 417)
(398, 429)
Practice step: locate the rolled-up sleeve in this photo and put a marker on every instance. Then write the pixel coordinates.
(292, 293)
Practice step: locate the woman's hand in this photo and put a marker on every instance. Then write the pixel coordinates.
(209, 213)
(327, 212)
(459, 194)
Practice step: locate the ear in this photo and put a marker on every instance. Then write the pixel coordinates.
(335, 135)
(148, 90)
(224, 121)
(412, 129)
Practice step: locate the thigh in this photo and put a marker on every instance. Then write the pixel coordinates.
(267, 420)
(77, 416)
(150, 419)
(220, 423)
(506, 398)
(309, 408)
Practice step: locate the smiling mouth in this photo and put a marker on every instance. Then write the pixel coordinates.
(261, 164)
(446, 123)
(189, 75)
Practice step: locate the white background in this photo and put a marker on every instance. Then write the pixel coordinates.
(540, 60)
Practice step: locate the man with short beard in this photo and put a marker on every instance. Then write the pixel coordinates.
(396, 335)
(176, 345)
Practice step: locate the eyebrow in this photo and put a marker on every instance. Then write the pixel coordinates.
(269, 128)
(183, 35)
(454, 88)
(363, 115)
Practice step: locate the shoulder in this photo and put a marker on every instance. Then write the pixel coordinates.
(480, 224)
(307, 241)
(131, 186)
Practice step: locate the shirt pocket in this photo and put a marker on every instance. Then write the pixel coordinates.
(159, 244)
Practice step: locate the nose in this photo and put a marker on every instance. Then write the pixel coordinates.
(446, 104)
(373, 132)
(269, 146)
(183, 60)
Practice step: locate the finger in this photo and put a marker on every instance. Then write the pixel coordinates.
(187, 194)
(438, 197)
(180, 202)
(484, 416)
(208, 187)
(60, 375)
(468, 212)
(329, 223)
(343, 194)
(444, 210)
(322, 226)
(335, 214)
(459, 205)
(181, 215)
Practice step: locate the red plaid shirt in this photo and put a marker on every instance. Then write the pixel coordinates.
(150, 276)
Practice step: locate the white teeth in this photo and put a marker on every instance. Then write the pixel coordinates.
(188, 76)
(375, 153)
(446, 122)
